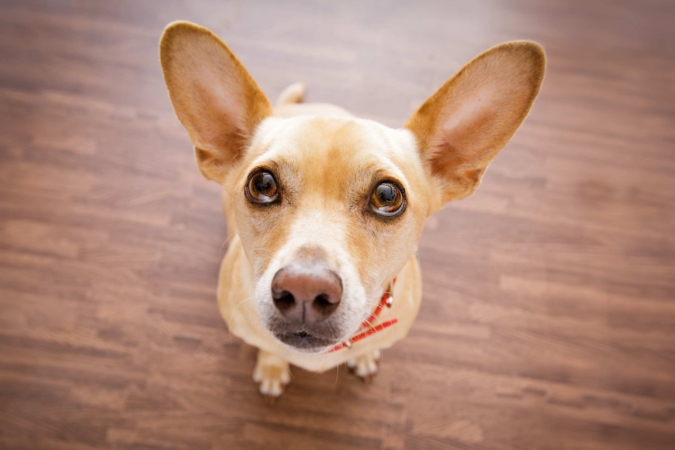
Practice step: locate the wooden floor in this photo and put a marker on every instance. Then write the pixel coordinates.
(548, 319)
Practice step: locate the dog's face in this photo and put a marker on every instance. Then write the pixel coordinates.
(329, 210)
(343, 207)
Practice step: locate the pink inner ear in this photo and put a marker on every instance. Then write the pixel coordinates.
(468, 121)
(475, 113)
(479, 119)
(219, 110)
(214, 97)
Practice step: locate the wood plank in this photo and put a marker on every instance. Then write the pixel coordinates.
(548, 319)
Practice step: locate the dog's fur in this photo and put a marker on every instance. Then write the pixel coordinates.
(326, 163)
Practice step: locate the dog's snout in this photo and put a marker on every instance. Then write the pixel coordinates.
(307, 294)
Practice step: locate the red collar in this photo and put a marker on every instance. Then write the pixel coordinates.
(367, 328)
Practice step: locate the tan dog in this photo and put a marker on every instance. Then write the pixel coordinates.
(325, 209)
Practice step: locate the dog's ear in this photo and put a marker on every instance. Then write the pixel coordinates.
(473, 115)
(214, 97)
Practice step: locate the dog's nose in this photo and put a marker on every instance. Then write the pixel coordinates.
(307, 294)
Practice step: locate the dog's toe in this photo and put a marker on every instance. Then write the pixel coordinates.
(271, 387)
(273, 374)
(365, 366)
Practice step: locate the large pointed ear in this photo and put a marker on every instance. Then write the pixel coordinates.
(473, 115)
(214, 97)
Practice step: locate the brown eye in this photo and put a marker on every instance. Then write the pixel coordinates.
(262, 188)
(387, 199)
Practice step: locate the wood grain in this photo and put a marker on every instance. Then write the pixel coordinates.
(548, 319)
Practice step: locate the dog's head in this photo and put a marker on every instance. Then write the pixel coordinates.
(330, 209)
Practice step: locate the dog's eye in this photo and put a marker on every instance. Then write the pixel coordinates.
(262, 188)
(387, 199)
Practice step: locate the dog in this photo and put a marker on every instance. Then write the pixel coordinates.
(324, 209)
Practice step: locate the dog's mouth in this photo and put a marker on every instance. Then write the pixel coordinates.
(305, 341)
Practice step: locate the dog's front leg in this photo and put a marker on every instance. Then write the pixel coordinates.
(365, 365)
(273, 373)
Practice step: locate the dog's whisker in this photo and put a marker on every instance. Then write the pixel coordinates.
(237, 306)
(223, 246)
(232, 314)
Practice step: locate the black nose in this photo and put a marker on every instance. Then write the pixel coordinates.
(306, 294)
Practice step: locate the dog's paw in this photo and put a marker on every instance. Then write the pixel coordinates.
(365, 366)
(273, 373)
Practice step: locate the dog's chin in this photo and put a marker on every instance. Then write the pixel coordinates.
(304, 342)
